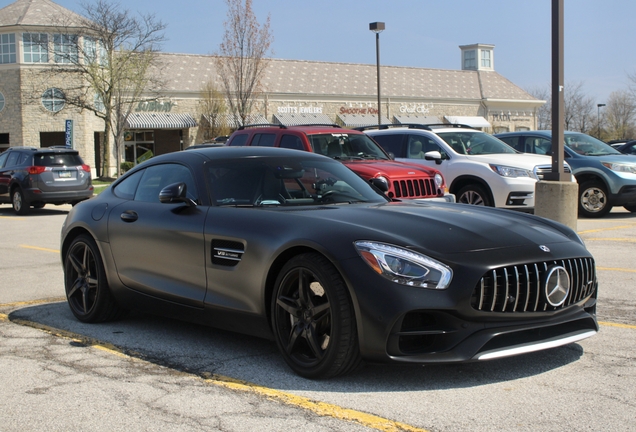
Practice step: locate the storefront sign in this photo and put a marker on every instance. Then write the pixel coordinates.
(155, 106)
(299, 110)
(68, 133)
(350, 110)
(414, 109)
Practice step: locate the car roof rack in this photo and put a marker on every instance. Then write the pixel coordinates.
(428, 126)
(329, 125)
(280, 126)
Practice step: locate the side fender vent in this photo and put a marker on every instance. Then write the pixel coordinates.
(227, 253)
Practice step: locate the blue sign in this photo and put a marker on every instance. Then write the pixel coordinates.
(69, 133)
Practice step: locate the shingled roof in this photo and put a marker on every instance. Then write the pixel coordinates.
(188, 73)
(37, 13)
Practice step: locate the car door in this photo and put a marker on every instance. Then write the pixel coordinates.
(158, 248)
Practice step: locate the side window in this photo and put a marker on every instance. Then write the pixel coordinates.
(238, 140)
(514, 142)
(392, 144)
(264, 140)
(158, 177)
(126, 188)
(538, 145)
(3, 158)
(13, 159)
(416, 148)
(291, 142)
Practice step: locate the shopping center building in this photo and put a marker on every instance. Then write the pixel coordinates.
(33, 111)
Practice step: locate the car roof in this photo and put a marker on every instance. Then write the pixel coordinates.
(230, 152)
(417, 127)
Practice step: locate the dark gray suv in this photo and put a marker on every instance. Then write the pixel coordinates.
(33, 177)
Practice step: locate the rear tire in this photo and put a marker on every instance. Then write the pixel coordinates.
(87, 290)
(473, 194)
(19, 202)
(593, 200)
(313, 319)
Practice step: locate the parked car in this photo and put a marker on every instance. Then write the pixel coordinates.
(34, 177)
(478, 168)
(606, 177)
(628, 147)
(295, 247)
(355, 150)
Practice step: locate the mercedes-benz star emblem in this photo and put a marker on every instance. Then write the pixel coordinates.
(557, 286)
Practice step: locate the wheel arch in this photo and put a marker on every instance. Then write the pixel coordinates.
(285, 256)
(588, 176)
(461, 181)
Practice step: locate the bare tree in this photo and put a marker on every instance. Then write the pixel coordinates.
(578, 108)
(213, 108)
(105, 58)
(241, 59)
(620, 113)
(544, 113)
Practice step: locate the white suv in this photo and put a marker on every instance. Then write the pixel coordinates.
(479, 168)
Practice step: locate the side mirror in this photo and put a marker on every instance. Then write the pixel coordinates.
(176, 193)
(434, 156)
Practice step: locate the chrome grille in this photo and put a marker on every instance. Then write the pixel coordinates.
(414, 188)
(540, 171)
(520, 288)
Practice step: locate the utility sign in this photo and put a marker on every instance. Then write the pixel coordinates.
(69, 133)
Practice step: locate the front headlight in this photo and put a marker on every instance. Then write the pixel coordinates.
(439, 180)
(620, 167)
(383, 180)
(404, 266)
(506, 171)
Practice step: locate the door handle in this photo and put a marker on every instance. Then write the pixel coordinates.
(129, 216)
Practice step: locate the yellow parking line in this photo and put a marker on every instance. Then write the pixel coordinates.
(614, 239)
(609, 324)
(616, 269)
(320, 408)
(605, 229)
(40, 248)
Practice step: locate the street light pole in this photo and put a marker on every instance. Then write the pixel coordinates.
(598, 119)
(377, 27)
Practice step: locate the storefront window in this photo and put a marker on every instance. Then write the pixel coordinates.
(7, 48)
(1, 101)
(139, 146)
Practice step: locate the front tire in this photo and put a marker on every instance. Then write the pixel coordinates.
(313, 319)
(19, 202)
(593, 200)
(473, 194)
(87, 290)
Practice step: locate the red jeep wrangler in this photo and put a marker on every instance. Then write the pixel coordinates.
(356, 150)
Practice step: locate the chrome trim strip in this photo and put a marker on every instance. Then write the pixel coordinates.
(534, 347)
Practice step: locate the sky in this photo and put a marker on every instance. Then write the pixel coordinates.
(599, 48)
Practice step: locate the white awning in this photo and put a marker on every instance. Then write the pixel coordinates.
(234, 122)
(359, 120)
(476, 122)
(416, 119)
(160, 121)
(303, 119)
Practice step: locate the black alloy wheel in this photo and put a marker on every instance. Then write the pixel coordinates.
(473, 194)
(313, 319)
(87, 290)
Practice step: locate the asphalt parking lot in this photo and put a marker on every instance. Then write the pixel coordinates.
(147, 373)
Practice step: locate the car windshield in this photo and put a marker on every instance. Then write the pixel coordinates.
(588, 146)
(345, 146)
(265, 181)
(474, 143)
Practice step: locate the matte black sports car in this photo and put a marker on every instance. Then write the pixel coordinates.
(294, 246)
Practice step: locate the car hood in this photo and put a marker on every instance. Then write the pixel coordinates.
(516, 160)
(444, 228)
(389, 168)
